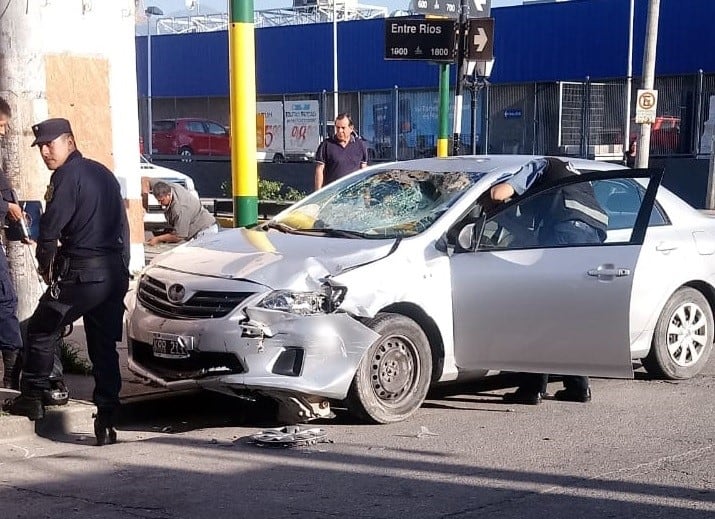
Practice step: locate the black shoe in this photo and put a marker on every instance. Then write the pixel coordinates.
(25, 405)
(570, 395)
(104, 429)
(522, 397)
(58, 394)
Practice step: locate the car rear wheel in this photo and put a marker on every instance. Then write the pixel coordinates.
(278, 158)
(393, 377)
(683, 337)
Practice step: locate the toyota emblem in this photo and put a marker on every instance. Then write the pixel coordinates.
(176, 293)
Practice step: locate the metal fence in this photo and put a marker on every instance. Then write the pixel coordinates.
(585, 119)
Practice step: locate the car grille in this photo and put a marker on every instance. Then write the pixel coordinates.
(199, 364)
(202, 305)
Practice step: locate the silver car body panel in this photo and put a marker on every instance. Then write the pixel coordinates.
(413, 273)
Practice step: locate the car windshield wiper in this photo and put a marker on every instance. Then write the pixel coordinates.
(338, 233)
(273, 224)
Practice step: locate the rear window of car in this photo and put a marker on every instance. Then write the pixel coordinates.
(163, 126)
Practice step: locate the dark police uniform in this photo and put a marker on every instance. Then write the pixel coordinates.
(10, 338)
(573, 215)
(89, 271)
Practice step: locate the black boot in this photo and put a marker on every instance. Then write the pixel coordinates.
(27, 404)
(104, 421)
(58, 394)
(10, 379)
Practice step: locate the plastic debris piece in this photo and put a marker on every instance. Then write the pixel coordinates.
(425, 432)
(290, 436)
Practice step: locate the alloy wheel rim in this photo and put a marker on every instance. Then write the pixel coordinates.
(687, 334)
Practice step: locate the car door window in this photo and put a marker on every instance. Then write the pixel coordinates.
(195, 127)
(621, 199)
(216, 129)
(531, 221)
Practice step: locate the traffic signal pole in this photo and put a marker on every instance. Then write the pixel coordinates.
(443, 137)
(242, 78)
(458, 87)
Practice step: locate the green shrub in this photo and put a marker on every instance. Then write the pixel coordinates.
(269, 190)
(73, 361)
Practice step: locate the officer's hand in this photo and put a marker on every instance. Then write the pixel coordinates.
(28, 241)
(14, 211)
(153, 241)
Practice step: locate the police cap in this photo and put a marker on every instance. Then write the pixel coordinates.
(49, 130)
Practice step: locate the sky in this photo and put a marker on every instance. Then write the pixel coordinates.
(172, 6)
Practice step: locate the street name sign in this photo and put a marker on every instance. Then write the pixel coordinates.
(420, 39)
(450, 8)
(480, 39)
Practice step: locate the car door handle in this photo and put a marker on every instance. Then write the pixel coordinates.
(666, 246)
(609, 272)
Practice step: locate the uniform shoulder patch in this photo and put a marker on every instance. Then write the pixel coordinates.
(49, 193)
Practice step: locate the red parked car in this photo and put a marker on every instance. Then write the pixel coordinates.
(664, 134)
(189, 136)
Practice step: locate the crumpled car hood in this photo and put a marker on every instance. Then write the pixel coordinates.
(272, 258)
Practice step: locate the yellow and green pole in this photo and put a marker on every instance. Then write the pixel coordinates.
(443, 135)
(242, 77)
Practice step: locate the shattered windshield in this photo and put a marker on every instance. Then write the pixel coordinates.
(385, 203)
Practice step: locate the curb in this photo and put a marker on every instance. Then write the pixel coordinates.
(74, 418)
(68, 419)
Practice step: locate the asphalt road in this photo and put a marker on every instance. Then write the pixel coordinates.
(642, 448)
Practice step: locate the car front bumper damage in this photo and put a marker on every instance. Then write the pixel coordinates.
(300, 361)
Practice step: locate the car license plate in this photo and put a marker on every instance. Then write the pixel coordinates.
(170, 346)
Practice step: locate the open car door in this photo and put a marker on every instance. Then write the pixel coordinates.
(524, 306)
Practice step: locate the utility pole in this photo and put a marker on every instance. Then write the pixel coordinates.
(22, 84)
(651, 42)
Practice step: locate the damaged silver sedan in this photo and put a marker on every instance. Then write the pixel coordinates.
(397, 277)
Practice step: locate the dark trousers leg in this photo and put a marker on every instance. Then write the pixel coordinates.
(9, 375)
(100, 329)
(576, 383)
(533, 382)
(43, 333)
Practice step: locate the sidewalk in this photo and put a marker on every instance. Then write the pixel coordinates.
(77, 414)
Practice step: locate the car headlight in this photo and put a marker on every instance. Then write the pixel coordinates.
(305, 303)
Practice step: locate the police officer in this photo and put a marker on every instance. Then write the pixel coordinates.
(87, 275)
(571, 215)
(10, 338)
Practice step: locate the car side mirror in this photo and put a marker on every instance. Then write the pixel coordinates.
(467, 237)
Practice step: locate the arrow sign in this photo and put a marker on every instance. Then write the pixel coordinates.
(480, 38)
(450, 8)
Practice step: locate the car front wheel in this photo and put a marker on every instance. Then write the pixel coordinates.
(393, 377)
(683, 337)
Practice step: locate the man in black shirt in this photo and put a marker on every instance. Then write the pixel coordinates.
(87, 274)
(340, 154)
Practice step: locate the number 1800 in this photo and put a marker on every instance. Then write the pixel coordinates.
(399, 51)
(440, 53)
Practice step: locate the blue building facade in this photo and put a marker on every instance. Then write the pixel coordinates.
(534, 43)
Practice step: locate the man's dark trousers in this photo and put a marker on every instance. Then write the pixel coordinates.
(92, 288)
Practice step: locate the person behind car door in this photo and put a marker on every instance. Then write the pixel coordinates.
(341, 154)
(87, 275)
(184, 213)
(572, 215)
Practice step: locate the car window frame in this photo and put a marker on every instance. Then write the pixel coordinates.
(655, 175)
